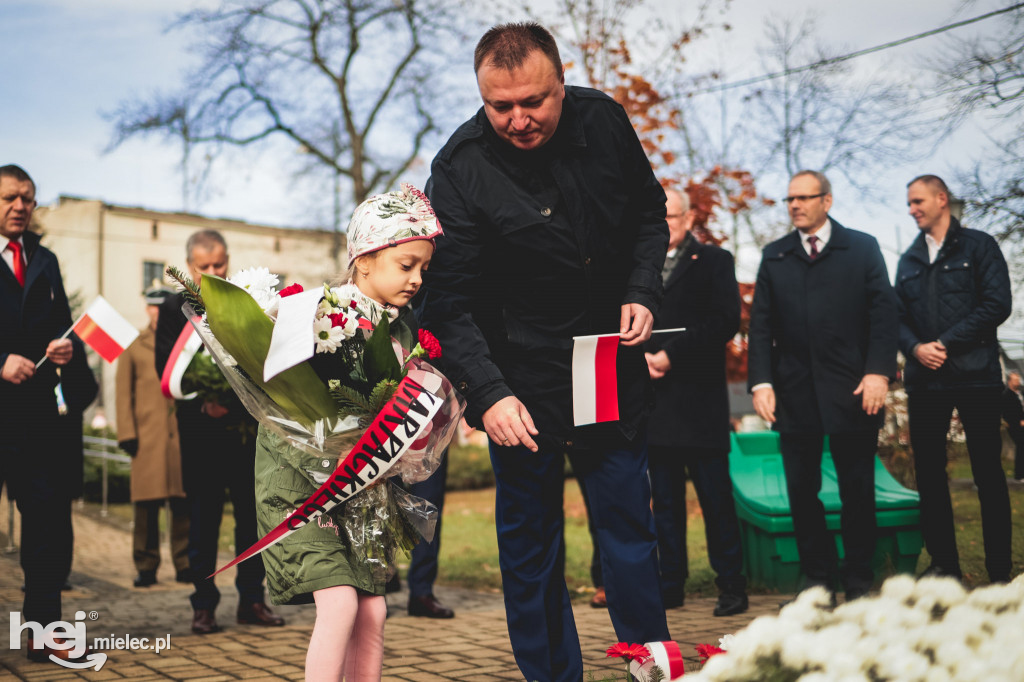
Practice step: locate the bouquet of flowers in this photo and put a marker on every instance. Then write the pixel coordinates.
(352, 404)
(930, 630)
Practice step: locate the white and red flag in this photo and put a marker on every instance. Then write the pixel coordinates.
(185, 347)
(104, 329)
(595, 391)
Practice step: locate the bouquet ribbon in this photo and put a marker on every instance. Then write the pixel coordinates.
(404, 419)
(665, 655)
(184, 349)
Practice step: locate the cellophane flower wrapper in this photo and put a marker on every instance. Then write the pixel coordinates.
(320, 439)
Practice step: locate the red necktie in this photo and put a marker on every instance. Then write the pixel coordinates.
(813, 241)
(19, 264)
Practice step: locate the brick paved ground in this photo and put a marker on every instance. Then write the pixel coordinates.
(472, 646)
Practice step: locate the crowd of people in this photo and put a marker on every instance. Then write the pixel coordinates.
(551, 224)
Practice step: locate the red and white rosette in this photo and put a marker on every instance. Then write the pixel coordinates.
(665, 655)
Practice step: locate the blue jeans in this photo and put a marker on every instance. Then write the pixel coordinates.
(529, 520)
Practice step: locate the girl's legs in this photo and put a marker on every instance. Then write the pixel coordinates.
(336, 615)
(365, 659)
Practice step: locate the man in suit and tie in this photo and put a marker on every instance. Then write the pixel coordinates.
(688, 432)
(36, 463)
(822, 349)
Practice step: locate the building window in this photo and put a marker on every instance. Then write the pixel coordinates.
(152, 273)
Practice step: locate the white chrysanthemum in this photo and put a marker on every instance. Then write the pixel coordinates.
(900, 662)
(941, 592)
(726, 641)
(998, 597)
(328, 338)
(938, 674)
(259, 282)
(899, 587)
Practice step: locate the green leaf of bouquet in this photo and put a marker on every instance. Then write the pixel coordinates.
(379, 359)
(244, 330)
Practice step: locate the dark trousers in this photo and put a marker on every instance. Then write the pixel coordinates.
(34, 483)
(596, 576)
(853, 456)
(709, 470)
(423, 562)
(218, 464)
(979, 409)
(531, 547)
(146, 536)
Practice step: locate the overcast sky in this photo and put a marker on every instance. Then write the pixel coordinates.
(67, 61)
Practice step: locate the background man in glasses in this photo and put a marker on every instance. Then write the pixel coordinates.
(822, 350)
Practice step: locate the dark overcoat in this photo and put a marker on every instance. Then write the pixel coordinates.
(31, 317)
(818, 326)
(691, 407)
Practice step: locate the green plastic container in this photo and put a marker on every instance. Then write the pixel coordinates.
(769, 547)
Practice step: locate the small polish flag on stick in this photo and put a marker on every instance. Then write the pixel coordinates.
(104, 329)
(595, 389)
(595, 392)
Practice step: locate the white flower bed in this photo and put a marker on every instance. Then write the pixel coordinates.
(931, 630)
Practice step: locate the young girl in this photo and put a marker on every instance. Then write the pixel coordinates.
(390, 243)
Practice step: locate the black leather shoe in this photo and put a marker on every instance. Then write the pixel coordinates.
(731, 603)
(203, 622)
(43, 655)
(145, 579)
(428, 607)
(258, 614)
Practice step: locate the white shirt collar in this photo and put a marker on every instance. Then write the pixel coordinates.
(933, 246)
(823, 234)
(4, 241)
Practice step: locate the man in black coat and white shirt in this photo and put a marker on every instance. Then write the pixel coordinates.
(822, 350)
(688, 434)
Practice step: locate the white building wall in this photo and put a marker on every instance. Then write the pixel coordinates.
(102, 249)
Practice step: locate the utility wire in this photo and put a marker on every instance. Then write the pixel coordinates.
(852, 55)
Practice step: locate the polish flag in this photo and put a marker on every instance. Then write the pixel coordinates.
(105, 330)
(595, 393)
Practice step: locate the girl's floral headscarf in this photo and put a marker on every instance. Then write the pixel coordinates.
(390, 219)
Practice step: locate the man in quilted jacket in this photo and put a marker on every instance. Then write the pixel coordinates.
(954, 291)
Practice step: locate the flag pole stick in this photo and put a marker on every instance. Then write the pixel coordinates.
(64, 336)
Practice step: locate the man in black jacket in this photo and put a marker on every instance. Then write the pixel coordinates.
(689, 429)
(554, 228)
(822, 350)
(954, 291)
(41, 449)
(218, 451)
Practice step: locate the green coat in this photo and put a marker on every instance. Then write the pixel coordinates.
(318, 555)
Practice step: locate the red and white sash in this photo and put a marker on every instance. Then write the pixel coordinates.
(185, 348)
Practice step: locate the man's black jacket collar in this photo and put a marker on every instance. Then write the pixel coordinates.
(791, 244)
(919, 249)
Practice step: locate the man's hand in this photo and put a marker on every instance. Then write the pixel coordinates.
(873, 387)
(635, 325)
(214, 409)
(931, 355)
(508, 423)
(59, 351)
(658, 364)
(17, 369)
(764, 403)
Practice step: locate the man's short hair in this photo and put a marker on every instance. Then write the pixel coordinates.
(16, 172)
(935, 182)
(823, 183)
(506, 46)
(204, 239)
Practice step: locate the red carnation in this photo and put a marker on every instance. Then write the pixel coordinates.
(338, 319)
(430, 344)
(295, 288)
(706, 651)
(630, 652)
